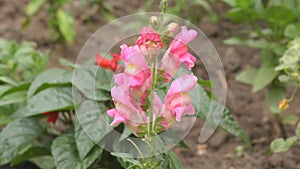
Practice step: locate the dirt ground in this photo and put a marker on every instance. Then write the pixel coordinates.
(249, 109)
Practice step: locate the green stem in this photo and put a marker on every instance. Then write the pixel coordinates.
(259, 31)
(137, 148)
(280, 125)
(65, 118)
(151, 98)
(294, 93)
(163, 6)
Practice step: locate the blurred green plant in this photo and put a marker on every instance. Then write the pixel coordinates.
(275, 23)
(289, 68)
(289, 64)
(19, 65)
(20, 62)
(104, 8)
(193, 11)
(59, 20)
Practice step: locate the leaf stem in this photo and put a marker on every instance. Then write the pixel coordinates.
(280, 125)
(294, 93)
(258, 29)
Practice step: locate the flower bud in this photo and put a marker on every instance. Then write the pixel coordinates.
(172, 27)
(154, 22)
(283, 105)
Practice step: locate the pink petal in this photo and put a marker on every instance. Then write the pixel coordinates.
(128, 51)
(117, 120)
(179, 112)
(185, 35)
(184, 83)
(121, 79)
(170, 65)
(122, 96)
(148, 34)
(188, 60)
(112, 112)
(190, 110)
(117, 117)
(132, 55)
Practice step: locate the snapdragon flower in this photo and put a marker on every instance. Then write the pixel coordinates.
(137, 104)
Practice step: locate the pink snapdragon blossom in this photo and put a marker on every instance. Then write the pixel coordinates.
(178, 53)
(149, 41)
(126, 109)
(137, 73)
(136, 70)
(177, 102)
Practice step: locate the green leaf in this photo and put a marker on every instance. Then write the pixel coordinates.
(50, 78)
(267, 57)
(126, 160)
(125, 134)
(273, 96)
(265, 75)
(15, 89)
(259, 7)
(247, 76)
(298, 131)
(34, 6)
(8, 80)
(30, 153)
(241, 15)
(226, 122)
(17, 97)
(91, 126)
(292, 31)
(67, 63)
(279, 15)
(16, 136)
(261, 43)
(66, 155)
(5, 113)
(66, 25)
(207, 83)
(232, 3)
(93, 82)
(281, 145)
(289, 63)
(49, 100)
(171, 138)
(204, 4)
(174, 161)
(289, 119)
(4, 88)
(43, 162)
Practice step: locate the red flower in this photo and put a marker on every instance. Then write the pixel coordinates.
(53, 116)
(108, 64)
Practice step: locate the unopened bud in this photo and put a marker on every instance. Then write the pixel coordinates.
(154, 22)
(172, 27)
(163, 6)
(283, 105)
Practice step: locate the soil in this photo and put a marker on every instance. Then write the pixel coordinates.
(249, 109)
